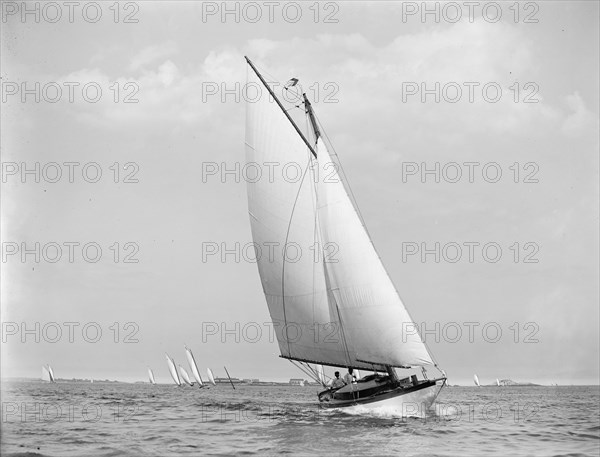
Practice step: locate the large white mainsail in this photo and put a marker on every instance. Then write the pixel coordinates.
(282, 209)
(193, 366)
(173, 370)
(344, 312)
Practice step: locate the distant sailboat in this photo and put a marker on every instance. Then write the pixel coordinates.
(193, 366)
(51, 372)
(151, 376)
(353, 294)
(173, 370)
(47, 373)
(476, 380)
(211, 377)
(185, 376)
(497, 382)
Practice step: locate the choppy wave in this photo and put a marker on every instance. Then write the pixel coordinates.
(77, 419)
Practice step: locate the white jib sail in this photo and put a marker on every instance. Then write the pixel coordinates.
(45, 374)
(151, 376)
(173, 370)
(376, 325)
(193, 365)
(476, 380)
(185, 376)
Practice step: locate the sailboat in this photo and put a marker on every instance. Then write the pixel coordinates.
(497, 382)
(47, 373)
(151, 376)
(185, 376)
(211, 377)
(173, 370)
(476, 380)
(51, 372)
(350, 298)
(193, 366)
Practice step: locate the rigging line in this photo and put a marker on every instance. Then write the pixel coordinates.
(329, 289)
(287, 235)
(346, 181)
(315, 234)
(339, 316)
(327, 280)
(322, 249)
(305, 371)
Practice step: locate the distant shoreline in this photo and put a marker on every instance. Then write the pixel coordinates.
(273, 383)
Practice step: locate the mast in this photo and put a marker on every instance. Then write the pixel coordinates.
(281, 106)
(311, 116)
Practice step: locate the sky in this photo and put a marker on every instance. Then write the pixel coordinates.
(140, 114)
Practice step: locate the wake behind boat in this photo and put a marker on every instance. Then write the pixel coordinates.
(340, 312)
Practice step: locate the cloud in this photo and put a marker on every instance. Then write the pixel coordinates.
(151, 54)
(580, 119)
(162, 94)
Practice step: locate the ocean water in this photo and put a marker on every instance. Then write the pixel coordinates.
(118, 419)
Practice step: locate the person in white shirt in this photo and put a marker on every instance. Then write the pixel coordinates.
(349, 377)
(336, 382)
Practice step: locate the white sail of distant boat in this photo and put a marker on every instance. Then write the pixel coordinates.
(51, 373)
(193, 366)
(350, 293)
(211, 377)
(46, 374)
(151, 376)
(497, 382)
(476, 380)
(185, 376)
(173, 370)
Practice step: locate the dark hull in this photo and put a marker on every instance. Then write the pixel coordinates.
(382, 391)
